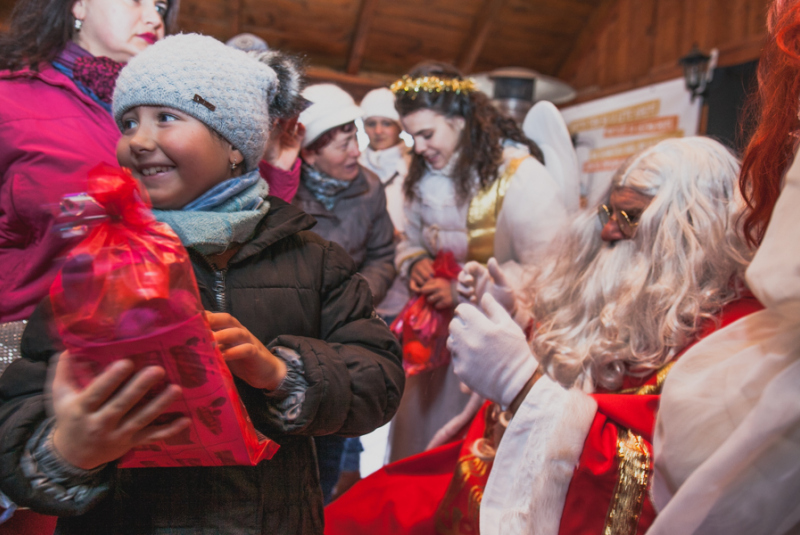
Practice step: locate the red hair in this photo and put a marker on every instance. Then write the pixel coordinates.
(771, 148)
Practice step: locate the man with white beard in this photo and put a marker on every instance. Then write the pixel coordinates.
(622, 299)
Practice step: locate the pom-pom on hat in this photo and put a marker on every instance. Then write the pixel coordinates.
(331, 106)
(224, 88)
(247, 42)
(287, 102)
(380, 103)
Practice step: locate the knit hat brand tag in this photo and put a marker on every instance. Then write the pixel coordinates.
(200, 100)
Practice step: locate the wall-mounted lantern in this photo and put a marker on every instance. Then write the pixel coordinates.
(698, 70)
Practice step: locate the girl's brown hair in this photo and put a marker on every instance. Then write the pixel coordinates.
(485, 128)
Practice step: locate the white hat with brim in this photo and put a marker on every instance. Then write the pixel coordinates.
(380, 103)
(331, 106)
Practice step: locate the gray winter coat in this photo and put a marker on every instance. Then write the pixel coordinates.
(360, 223)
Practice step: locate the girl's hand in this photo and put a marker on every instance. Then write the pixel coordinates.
(440, 293)
(102, 422)
(421, 272)
(246, 356)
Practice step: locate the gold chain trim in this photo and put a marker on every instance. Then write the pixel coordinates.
(484, 209)
(649, 390)
(634, 476)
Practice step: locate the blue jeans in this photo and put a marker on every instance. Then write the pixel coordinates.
(329, 460)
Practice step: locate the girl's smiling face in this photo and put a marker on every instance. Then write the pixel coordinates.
(176, 157)
(436, 137)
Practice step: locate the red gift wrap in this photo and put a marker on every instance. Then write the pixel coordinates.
(128, 291)
(422, 329)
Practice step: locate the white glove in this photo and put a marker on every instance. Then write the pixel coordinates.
(476, 280)
(490, 352)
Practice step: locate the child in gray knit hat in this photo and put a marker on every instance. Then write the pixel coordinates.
(290, 315)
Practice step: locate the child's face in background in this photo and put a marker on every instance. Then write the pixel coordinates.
(175, 156)
(383, 132)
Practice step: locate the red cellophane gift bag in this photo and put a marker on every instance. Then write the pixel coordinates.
(127, 291)
(422, 329)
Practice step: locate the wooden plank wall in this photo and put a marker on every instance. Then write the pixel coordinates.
(640, 41)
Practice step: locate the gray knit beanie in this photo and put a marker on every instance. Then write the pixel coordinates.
(222, 87)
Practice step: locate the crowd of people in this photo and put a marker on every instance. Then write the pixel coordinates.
(624, 368)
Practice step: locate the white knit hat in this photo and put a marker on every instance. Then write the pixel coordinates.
(380, 103)
(331, 106)
(224, 88)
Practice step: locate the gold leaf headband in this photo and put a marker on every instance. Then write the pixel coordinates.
(432, 84)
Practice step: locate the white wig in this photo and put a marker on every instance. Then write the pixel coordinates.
(607, 310)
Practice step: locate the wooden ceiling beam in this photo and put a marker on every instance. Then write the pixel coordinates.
(479, 33)
(316, 74)
(366, 15)
(597, 22)
(236, 17)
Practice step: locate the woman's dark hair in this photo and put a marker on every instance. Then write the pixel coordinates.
(39, 30)
(327, 136)
(485, 128)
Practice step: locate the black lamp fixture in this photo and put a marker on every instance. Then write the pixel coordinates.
(698, 70)
(514, 90)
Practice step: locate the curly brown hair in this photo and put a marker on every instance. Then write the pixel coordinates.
(40, 29)
(485, 128)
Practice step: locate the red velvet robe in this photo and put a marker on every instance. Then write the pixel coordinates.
(439, 491)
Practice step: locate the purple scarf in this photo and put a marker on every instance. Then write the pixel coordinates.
(94, 76)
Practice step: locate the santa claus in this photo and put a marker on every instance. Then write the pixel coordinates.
(656, 267)
(629, 291)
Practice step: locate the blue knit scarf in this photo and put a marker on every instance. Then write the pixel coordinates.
(322, 186)
(226, 214)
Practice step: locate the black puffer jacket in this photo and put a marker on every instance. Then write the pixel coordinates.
(289, 288)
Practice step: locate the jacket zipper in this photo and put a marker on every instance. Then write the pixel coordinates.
(219, 290)
(220, 299)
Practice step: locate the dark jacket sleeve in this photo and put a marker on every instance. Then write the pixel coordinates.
(354, 372)
(23, 408)
(378, 265)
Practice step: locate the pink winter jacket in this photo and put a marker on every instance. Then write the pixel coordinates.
(51, 134)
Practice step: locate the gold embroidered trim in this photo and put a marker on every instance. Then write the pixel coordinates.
(634, 476)
(649, 390)
(449, 519)
(448, 516)
(484, 208)
(432, 84)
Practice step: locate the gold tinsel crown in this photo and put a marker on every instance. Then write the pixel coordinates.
(432, 84)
